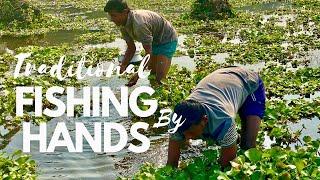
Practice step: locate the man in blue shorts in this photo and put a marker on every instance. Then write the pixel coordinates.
(211, 109)
(157, 35)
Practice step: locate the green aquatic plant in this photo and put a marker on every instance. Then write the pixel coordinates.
(17, 166)
(254, 163)
(211, 9)
(281, 80)
(96, 38)
(18, 11)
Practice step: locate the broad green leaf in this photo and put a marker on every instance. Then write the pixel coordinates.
(256, 175)
(16, 153)
(254, 155)
(23, 159)
(300, 164)
(284, 176)
(307, 139)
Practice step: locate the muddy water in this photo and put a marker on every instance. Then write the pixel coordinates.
(48, 39)
(55, 37)
(64, 165)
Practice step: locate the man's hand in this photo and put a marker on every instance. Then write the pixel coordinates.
(148, 50)
(227, 155)
(133, 80)
(123, 67)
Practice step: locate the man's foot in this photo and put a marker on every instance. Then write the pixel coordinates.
(133, 81)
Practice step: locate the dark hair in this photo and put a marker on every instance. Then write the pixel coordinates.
(116, 5)
(190, 110)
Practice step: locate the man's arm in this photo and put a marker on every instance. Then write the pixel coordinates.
(128, 55)
(173, 153)
(227, 154)
(148, 49)
(228, 146)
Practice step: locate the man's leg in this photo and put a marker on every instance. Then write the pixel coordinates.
(162, 67)
(153, 68)
(251, 114)
(249, 131)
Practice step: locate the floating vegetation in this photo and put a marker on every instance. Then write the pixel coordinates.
(17, 166)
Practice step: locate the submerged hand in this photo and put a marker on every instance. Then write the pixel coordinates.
(133, 80)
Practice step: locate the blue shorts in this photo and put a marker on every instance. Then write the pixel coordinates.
(167, 49)
(255, 104)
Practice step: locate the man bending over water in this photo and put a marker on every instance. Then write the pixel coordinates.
(157, 35)
(211, 109)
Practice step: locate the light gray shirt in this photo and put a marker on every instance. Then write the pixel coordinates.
(148, 27)
(222, 93)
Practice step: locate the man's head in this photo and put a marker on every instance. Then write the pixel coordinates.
(118, 11)
(196, 118)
